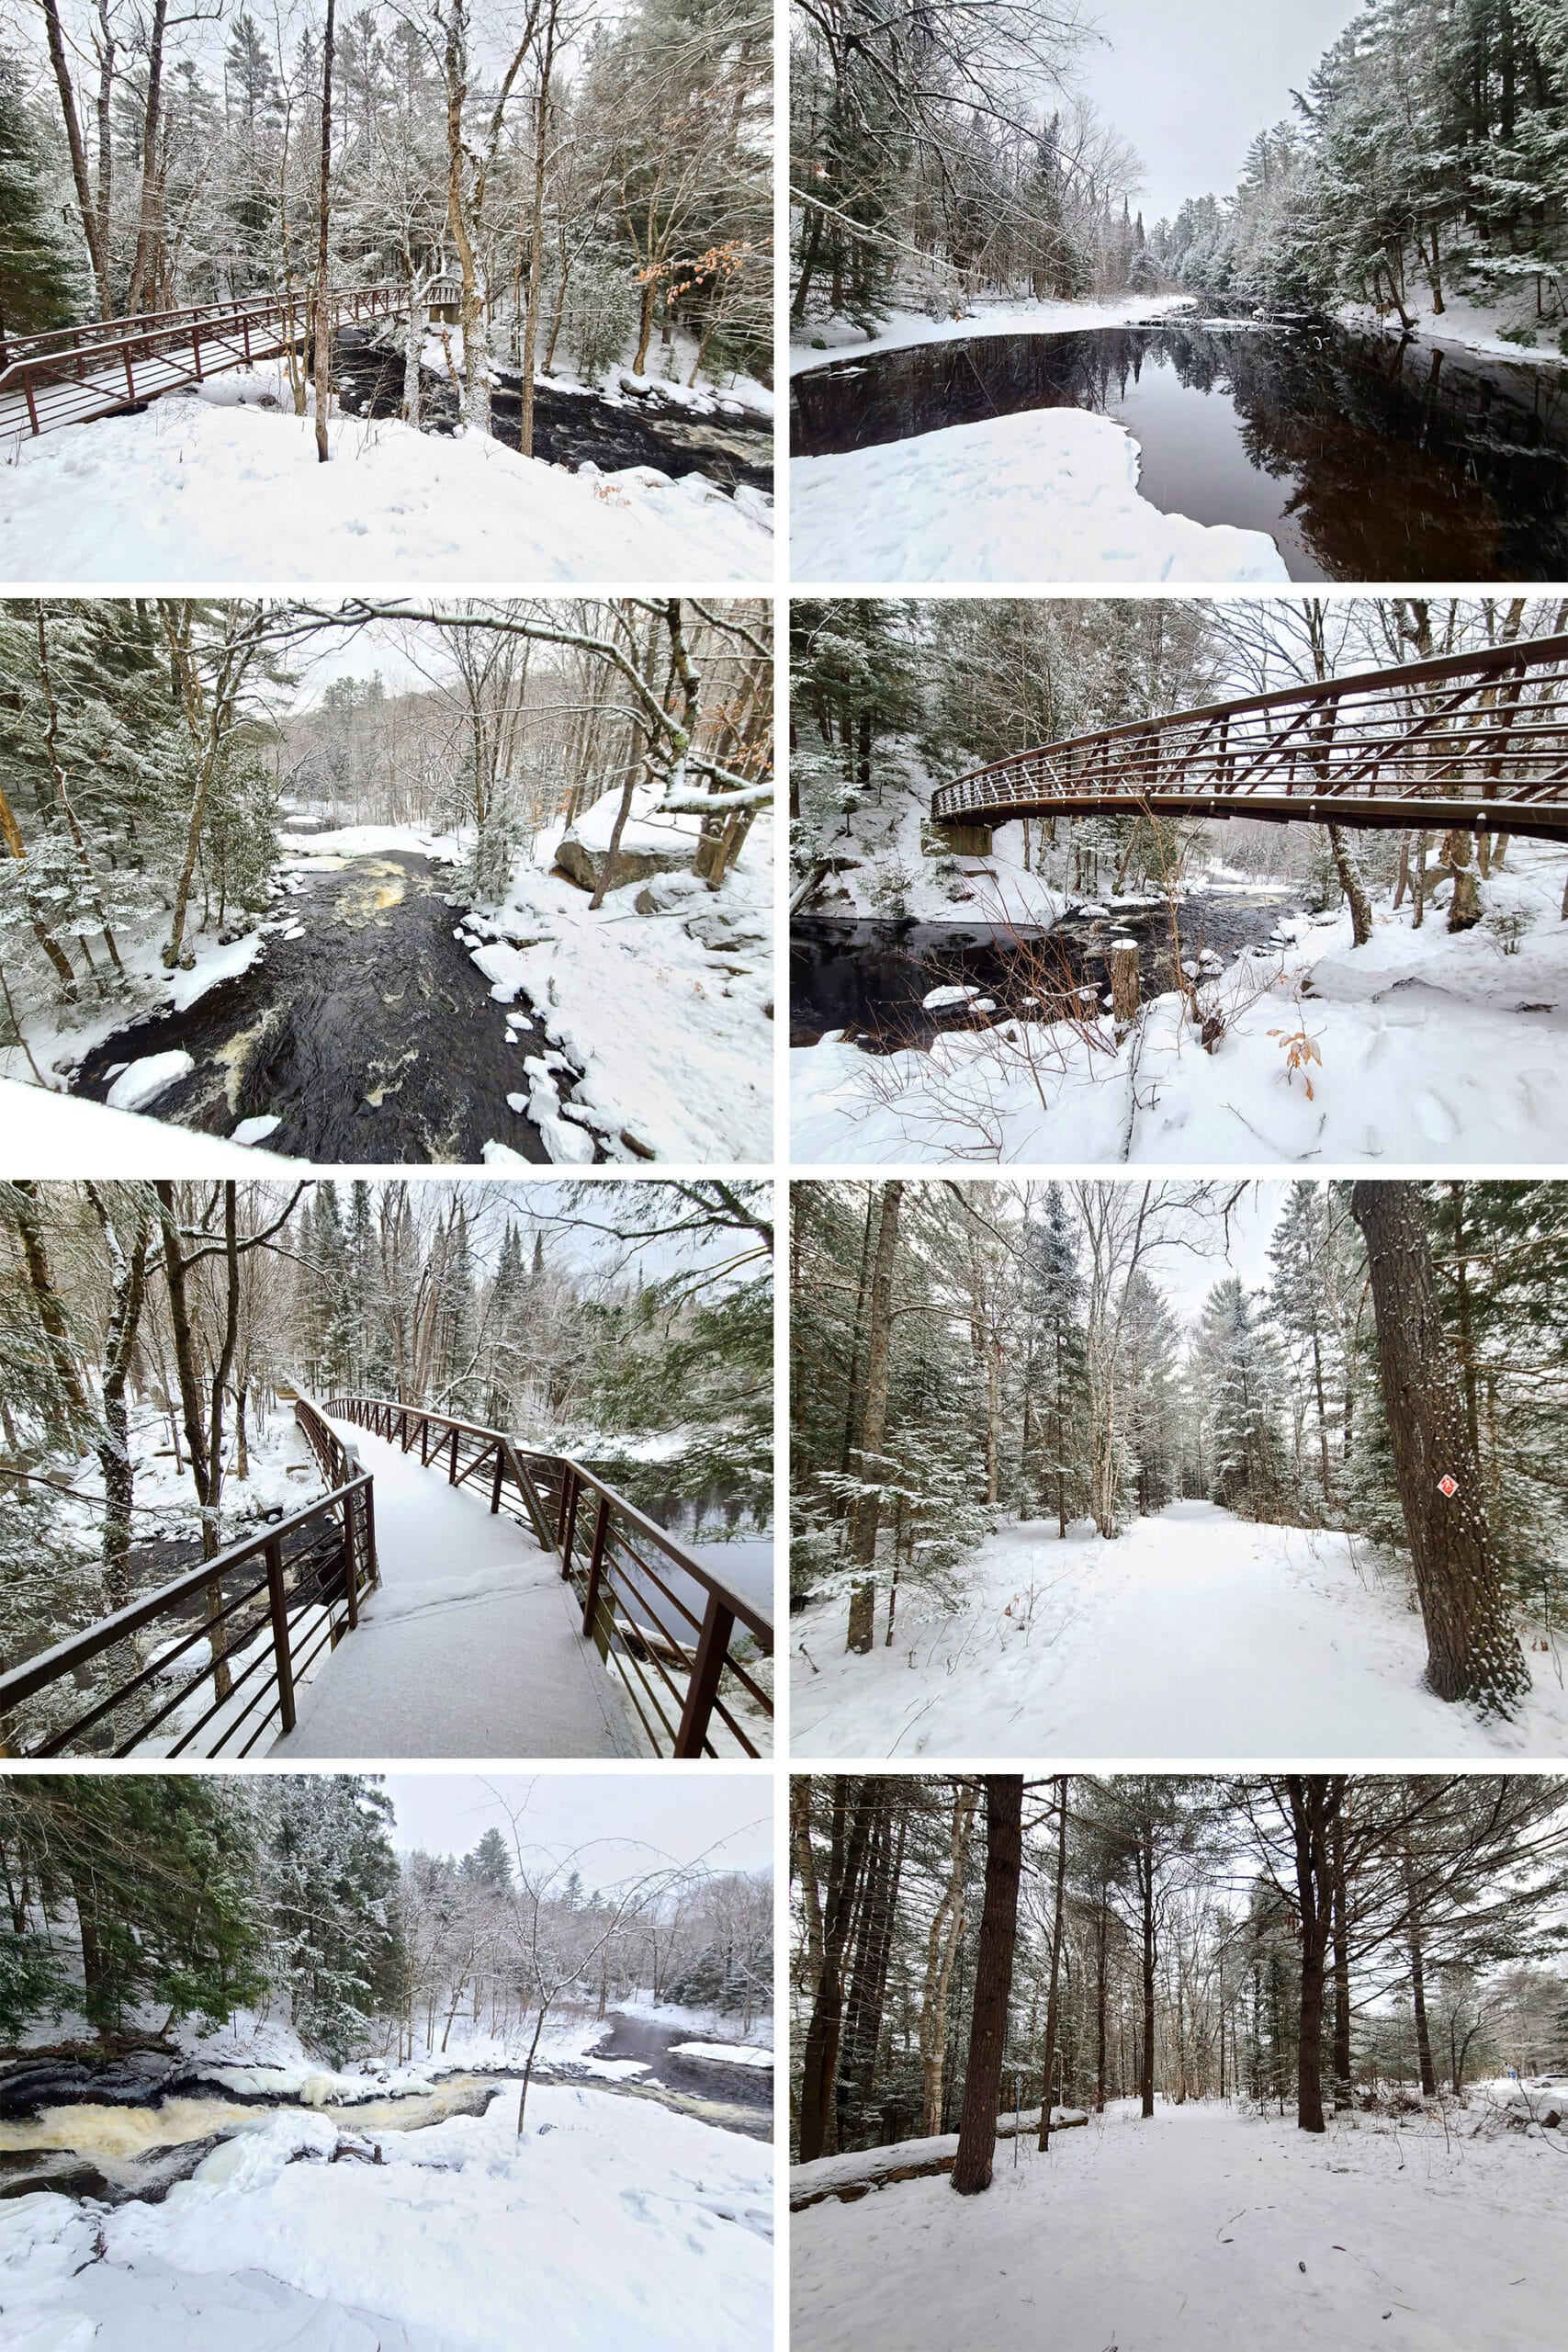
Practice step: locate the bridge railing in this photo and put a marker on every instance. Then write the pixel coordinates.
(681, 1642)
(1482, 731)
(69, 375)
(207, 1664)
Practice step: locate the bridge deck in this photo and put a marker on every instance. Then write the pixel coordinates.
(472, 1645)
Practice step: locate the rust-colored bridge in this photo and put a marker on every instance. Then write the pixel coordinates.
(1477, 740)
(73, 374)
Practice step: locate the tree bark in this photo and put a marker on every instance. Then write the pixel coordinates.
(1473, 1651)
(819, 2062)
(1049, 2068)
(941, 1952)
(993, 1983)
(867, 1511)
(323, 324)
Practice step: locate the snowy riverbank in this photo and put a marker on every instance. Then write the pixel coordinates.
(662, 996)
(224, 485)
(1046, 495)
(1415, 2237)
(603, 2224)
(830, 340)
(1301, 1641)
(1426, 1047)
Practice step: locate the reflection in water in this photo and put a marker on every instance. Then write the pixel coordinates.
(370, 1037)
(870, 979)
(1363, 458)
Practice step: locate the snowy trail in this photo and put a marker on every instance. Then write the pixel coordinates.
(1196, 1633)
(1200, 2228)
(471, 1647)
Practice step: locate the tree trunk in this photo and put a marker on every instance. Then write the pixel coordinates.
(1350, 882)
(941, 1952)
(1472, 1650)
(819, 2062)
(993, 1983)
(866, 1511)
(1341, 1940)
(1048, 2070)
(323, 327)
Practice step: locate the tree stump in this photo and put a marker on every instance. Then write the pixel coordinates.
(1126, 983)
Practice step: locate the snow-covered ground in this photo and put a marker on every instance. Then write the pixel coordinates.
(1046, 495)
(224, 485)
(608, 2224)
(1205, 2228)
(727, 2053)
(1426, 1047)
(1467, 324)
(1194, 1634)
(667, 1013)
(828, 341)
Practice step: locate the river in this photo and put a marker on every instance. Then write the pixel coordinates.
(729, 443)
(117, 2141)
(870, 977)
(364, 1027)
(1363, 457)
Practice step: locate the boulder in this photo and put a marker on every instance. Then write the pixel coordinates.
(643, 854)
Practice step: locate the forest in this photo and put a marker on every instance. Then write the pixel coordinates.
(596, 182)
(284, 1896)
(946, 153)
(316, 2056)
(1271, 945)
(176, 775)
(1193, 1456)
(1427, 159)
(1157, 1995)
(943, 150)
(152, 1335)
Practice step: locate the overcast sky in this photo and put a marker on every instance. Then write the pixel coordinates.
(624, 1824)
(1190, 83)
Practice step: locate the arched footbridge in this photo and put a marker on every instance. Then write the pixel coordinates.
(1477, 740)
(451, 1592)
(71, 375)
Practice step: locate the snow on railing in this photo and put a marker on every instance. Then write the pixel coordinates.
(207, 1664)
(681, 1643)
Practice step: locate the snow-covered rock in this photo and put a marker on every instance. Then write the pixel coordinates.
(142, 1082)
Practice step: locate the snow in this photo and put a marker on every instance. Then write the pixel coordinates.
(219, 486)
(253, 1131)
(471, 1645)
(1434, 1048)
(832, 342)
(674, 1038)
(936, 1000)
(1194, 1634)
(873, 2168)
(606, 2224)
(1203, 2227)
(725, 2053)
(60, 1135)
(1464, 324)
(142, 1082)
(1044, 495)
(220, 961)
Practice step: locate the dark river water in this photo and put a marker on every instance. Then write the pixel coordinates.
(1362, 457)
(573, 427)
(869, 977)
(373, 1036)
